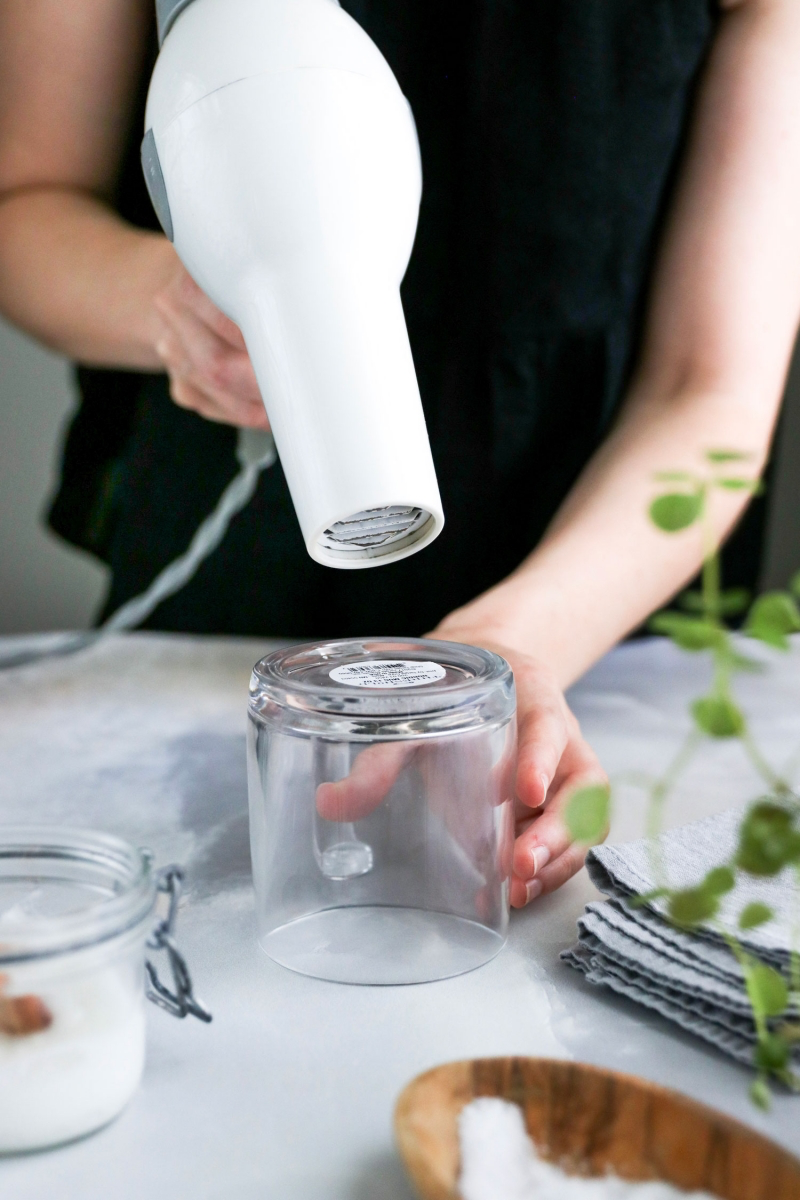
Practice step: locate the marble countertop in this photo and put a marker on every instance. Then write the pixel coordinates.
(289, 1094)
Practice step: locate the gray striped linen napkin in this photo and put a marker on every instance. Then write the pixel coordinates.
(690, 977)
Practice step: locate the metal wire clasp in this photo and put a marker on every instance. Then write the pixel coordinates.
(181, 1002)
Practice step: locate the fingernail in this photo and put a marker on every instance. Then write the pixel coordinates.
(545, 785)
(532, 890)
(541, 857)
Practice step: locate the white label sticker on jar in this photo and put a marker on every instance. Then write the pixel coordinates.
(388, 673)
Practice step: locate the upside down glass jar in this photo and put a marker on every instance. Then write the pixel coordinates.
(381, 777)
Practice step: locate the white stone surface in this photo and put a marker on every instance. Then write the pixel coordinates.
(288, 1095)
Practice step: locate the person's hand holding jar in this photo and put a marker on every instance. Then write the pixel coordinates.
(548, 763)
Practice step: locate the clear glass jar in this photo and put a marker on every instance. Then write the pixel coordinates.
(75, 910)
(381, 777)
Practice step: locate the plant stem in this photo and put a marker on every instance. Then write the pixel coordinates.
(662, 787)
(712, 603)
(778, 785)
(790, 766)
(711, 569)
(658, 795)
(745, 963)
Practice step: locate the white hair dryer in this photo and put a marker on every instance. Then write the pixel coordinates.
(282, 160)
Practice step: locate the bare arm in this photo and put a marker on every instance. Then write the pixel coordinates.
(72, 273)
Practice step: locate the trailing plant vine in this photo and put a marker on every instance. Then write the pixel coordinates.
(769, 834)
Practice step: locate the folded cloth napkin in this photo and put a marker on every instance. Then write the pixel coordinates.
(691, 977)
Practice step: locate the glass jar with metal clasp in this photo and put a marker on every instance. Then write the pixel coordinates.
(76, 915)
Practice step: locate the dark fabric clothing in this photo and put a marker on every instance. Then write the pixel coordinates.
(550, 133)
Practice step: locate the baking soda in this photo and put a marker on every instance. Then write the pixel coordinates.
(499, 1162)
(77, 1074)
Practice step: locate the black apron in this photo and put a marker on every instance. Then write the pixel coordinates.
(550, 133)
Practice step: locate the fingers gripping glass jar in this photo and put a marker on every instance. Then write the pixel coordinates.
(381, 775)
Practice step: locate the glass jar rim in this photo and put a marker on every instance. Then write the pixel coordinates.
(128, 869)
(278, 676)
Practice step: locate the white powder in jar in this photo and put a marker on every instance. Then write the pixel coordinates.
(81, 1071)
(499, 1162)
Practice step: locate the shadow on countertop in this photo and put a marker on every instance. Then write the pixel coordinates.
(210, 775)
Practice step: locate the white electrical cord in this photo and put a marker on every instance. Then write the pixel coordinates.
(256, 452)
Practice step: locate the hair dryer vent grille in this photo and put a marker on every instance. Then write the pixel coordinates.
(376, 527)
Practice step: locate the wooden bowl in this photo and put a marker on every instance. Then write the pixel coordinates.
(591, 1122)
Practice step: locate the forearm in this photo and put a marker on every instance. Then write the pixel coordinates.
(603, 566)
(78, 278)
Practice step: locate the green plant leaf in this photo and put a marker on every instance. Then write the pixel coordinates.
(777, 640)
(723, 456)
(755, 914)
(692, 906)
(768, 991)
(691, 602)
(718, 716)
(740, 662)
(719, 881)
(778, 609)
(734, 601)
(772, 617)
(643, 898)
(690, 633)
(759, 1093)
(587, 813)
(771, 1053)
(674, 477)
(676, 510)
(731, 602)
(768, 840)
(740, 485)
